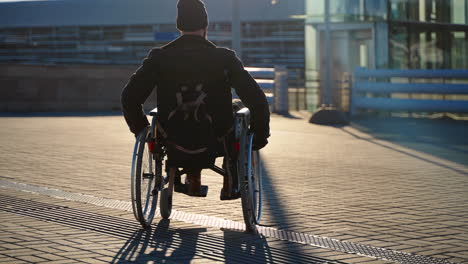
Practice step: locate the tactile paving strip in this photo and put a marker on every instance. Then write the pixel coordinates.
(203, 220)
(161, 241)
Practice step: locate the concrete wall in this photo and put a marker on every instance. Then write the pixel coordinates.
(36, 88)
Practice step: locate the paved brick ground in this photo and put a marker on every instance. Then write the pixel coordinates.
(40, 229)
(353, 183)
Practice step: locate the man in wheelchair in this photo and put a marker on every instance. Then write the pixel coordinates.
(193, 80)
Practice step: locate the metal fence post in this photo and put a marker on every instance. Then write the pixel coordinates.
(281, 96)
(352, 101)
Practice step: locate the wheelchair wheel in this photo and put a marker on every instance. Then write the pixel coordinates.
(146, 172)
(165, 204)
(251, 186)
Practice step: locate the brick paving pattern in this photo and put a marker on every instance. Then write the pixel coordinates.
(39, 229)
(343, 183)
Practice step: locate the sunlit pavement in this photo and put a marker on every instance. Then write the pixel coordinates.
(397, 185)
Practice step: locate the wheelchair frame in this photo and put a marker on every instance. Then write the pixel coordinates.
(148, 179)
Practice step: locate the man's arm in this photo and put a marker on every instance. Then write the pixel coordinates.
(253, 97)
(135, 93)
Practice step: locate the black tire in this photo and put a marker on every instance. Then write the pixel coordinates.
(255, 186)
(251, 185)
(165, 204)
(247, 211)
(143, 181)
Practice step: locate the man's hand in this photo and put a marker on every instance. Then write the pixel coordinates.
(259, 143)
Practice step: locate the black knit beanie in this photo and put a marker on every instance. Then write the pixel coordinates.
(191, 15)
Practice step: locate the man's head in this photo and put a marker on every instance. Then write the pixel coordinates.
(192, 17)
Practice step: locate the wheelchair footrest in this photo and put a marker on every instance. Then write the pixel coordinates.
(183, 188)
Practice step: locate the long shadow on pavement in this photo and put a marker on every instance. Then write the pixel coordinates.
(163, 243)
(444, 139)
(184, 245)
(272, 201)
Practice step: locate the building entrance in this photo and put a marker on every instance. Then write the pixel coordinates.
(350, 48)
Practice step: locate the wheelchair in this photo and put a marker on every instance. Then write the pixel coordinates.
(149, 181)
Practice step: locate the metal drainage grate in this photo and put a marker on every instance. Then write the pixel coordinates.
(210, 221)
(161, 241)
(350, 247)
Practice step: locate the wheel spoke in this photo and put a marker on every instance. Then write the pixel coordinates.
(149, 196)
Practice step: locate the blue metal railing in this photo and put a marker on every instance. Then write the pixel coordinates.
(370, 93)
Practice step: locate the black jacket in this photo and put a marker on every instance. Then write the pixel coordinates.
(195, 58)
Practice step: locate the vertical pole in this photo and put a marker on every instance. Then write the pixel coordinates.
(352, 99)
(54, 36)
(305, 89)
(297, 89)
(327, 53)
(466, 12)
(236, 28)
(280, 92)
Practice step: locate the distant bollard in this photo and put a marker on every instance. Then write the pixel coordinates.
(281, 96)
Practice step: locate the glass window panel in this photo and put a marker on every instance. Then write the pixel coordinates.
(419, 46)
(347, 10)
(315, 10)
(436, 11)
(399, 50)
(375, 10)
(459, 8)
(398, 9)
(460, 50)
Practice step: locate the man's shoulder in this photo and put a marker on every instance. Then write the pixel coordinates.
(225, 50)
(154, 51)
(226, 53)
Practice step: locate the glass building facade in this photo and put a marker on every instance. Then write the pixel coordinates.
(395, 34)
(428, 34)
(264, 44)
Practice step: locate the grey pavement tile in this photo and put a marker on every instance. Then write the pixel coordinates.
(50, 256)
(374, 261)
(47, 248)
(16, 252)
(93, 260)
(11, 246)
(14, 261)
(66, 249)
(106, 252)
(459, 254)
(78, 255)
(457, 260)
(32, 259)
(61, 261)
(359, 259)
